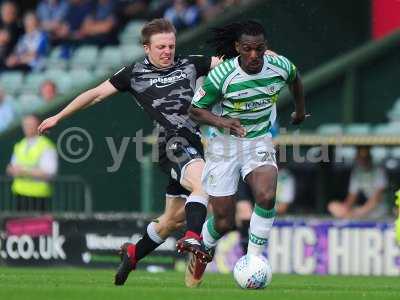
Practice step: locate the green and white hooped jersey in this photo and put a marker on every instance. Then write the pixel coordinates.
(232, 93)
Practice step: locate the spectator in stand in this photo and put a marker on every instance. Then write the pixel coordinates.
(31, 48)
(48, 91)
(158, 8)
(51, 14)
(99, 27)
(128, 10)
(78, 11)
(5, 48)
(33, 164)
(224, 4)
(7, 112)
(365, 198)
(183, 14)
(208, 9)
(10, 29)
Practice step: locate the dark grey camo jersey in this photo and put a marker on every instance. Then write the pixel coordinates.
(165, 94)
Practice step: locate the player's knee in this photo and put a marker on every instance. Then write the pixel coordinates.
(225, 225)
(266, 198)
(194, 186)
(174, 226)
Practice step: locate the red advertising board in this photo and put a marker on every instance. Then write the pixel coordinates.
(385, 17)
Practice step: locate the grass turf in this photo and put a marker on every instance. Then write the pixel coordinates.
(85, 284)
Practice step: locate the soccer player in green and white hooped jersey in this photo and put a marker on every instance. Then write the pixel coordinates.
(232, 93)
(238, 100)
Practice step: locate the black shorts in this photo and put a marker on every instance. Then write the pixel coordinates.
(244, 192)
(174, 155)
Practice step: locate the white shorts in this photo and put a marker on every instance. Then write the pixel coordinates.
(228, 157)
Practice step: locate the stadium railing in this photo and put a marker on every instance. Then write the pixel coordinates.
(70, 194)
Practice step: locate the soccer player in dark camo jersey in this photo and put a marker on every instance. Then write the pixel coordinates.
(163, 86)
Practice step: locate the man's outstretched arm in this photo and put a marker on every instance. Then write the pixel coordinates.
(86, 99)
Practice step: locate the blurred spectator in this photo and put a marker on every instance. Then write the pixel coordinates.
(10, 29)
(158, 8)
(208, 9)
(48, 91)
(132, 10)
(183, 14)
(230, 3)
(7, 112)
(33, 164)
(98, 28)
(51, 14)
(78, 11)
(365, 198)
(31, 48)
(5, 48)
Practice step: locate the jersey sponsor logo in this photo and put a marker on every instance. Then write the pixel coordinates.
(257, 104)
(169, 79)
(200, 93)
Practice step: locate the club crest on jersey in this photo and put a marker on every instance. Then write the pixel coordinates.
(200, 93)
(273, 89)
(169, 79)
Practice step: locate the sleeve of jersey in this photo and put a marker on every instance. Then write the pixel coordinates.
(121, 80)
(202, 64)
(290, 68)
(207, 95)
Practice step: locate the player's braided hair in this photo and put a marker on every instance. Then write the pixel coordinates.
(224, 38)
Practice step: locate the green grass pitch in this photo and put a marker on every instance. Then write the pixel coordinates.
(85, 284)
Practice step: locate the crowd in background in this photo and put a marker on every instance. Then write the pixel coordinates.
(26, 39)
(28, 35)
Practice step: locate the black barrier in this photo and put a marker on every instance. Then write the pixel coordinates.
(45, 241)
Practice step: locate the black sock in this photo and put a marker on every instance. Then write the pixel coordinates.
(196, 214)
(243, 229)
(144, 246)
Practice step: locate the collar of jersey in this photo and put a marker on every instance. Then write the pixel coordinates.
(242, 72)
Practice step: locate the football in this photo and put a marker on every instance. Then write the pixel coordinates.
(252, 272)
